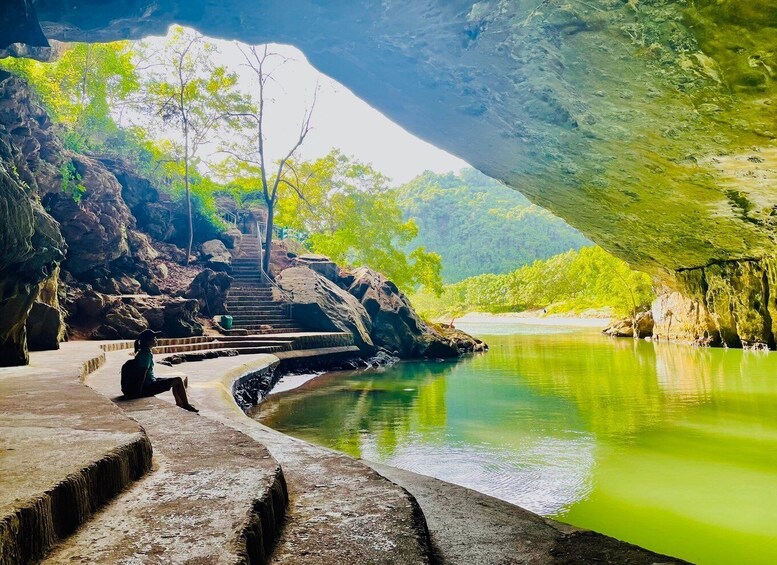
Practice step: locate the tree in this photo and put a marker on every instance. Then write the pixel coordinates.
(251, 150)
(352, 216)
(188, 90)
(81, 88)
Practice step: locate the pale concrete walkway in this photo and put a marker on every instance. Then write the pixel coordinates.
(64, 450)
(341, 511)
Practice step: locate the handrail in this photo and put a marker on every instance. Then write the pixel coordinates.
(286, 295)
(227, 215)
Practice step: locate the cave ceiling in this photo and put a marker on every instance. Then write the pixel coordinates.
(648, 125)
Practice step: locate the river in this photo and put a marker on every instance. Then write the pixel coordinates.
(667, 446)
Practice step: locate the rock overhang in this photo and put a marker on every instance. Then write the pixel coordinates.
(649, 126)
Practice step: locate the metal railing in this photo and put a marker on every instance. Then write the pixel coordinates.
(226, 215)
(286, 295)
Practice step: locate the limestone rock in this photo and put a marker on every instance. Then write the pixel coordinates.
(232, 238)
(321, 264)
(31, 245)
(321, 305)
(122, 321)
(575, 105)
(152, 209)
(216, 256)
(395, 325)
(210, 290)
(90, 304)
(180, 318)
(643, 324)
(95, 226)
(729, 303)
(46, 324)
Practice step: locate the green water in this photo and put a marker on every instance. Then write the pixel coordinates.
(671, 447)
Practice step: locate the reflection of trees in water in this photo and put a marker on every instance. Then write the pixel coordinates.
(338, 408)
(621, 386)
(612, 382)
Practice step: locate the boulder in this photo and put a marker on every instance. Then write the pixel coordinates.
(122, 321)
(321, 264)
(180, 318)
(90, 304)
(320, 304)
(216, 256)
(46, 324)
(210, 290)
(395, 324)
(232, 238)
(642, 325)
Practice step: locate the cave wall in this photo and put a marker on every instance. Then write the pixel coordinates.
(45, 222)
(647, 125)
(31, 245)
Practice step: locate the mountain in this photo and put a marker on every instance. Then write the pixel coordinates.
(478, 225)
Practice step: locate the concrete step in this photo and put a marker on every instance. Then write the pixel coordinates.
(253, 301)
(66, 450)
(215, 496)
(274, 318)
(273, 329)
(258, 311)
(215, 345)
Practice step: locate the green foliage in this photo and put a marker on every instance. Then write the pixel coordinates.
(478, 225)
(81, 87)
(192, 95)
(569, 282)
(71, 181)
(353, 217)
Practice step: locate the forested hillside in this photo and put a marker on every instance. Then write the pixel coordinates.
(478, 225)
(567, 283)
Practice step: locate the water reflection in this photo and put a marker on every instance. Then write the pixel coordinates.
(666, 446)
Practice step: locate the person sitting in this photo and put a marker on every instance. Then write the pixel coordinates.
(151, 385)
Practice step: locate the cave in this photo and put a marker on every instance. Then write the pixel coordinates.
(648, 126)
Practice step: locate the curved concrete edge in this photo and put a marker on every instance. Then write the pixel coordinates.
(470, 528)
(340, 509)
(39, 523)
(40, 519)
(266, 521)
(262, 513)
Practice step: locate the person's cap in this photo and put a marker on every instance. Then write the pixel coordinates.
(148, 334)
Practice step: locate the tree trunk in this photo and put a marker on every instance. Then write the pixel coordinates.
(268, 238)
(188, 199)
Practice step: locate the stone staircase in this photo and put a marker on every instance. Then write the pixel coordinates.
(250, 301)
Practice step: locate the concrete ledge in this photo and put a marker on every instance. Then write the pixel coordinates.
(470, 528)
(64, 451)
(214, 496)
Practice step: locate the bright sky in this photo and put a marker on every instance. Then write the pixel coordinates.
(340, 119)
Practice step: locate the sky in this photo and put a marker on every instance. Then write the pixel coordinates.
(340, 119)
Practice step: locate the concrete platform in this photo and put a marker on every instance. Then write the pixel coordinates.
(213, 495)
(340, 511)
(65, 450)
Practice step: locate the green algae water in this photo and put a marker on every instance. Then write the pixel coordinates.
(670, 447)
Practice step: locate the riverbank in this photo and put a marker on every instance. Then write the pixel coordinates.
(534, 318)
